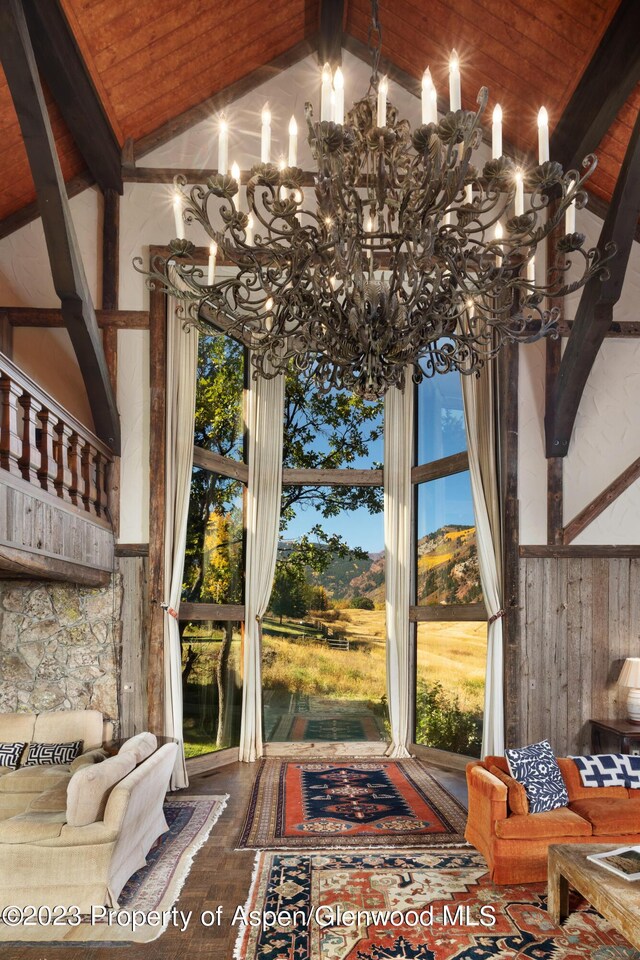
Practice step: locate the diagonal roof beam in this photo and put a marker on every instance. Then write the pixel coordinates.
(595, 310)
(18, 60)
(62, 67)
(603, 89)
(330, 36)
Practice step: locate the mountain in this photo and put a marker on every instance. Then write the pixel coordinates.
(447, 570)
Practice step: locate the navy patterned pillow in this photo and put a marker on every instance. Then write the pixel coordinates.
(10, 754)
(43, 754)
(536, 768)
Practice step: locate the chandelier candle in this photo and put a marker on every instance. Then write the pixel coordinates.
(325, 97)
(293, 142)
(265, 140)
(338, 97)
(455, 99)
(496, 132)
(429, 99)
(519, 197)
(543, 135)
(177, 215)
(223, 146)
(211, 271)
(406, 259)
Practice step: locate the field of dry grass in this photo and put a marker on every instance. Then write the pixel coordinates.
(452, 654)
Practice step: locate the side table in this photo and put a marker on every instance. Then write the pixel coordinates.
(625, 733)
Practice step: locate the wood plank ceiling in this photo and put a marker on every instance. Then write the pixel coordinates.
(151, 61)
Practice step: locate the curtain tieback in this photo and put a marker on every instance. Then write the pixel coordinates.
(167, 609)
(496, 616)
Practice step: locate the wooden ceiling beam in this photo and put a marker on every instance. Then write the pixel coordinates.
(595, 310)
(62, 67)
(330, 36)
(603, 89)
(70, 282)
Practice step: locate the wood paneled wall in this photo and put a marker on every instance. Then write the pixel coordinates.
(135, 645)
(579, 619)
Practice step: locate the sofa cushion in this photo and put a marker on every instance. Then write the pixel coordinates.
(609, 817)
(86, 759)
(517, 796)
(575, 789)
(51, 801)
(537, 769)
(142, 746)
(10, 754)
(61, 726)
(560, 822)
(46, 754)
(89, 788)
(17, 726)
(33, 779)
(31, 827)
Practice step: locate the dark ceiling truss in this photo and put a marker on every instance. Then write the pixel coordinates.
(18, 60)
(330, 35)
(63, 69)
(604, 88)
(595, 310)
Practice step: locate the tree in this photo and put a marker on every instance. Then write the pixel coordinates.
(362, 603)
(289, 596)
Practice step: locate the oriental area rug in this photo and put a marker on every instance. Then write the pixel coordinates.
(409, 906)
(148, 895)
(356, 803)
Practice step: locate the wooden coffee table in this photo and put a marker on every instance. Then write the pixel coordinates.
(617, 900)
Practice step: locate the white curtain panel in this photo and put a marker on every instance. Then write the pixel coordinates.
(182, 361)
(479, 396)
(398, 455)
(265, 414)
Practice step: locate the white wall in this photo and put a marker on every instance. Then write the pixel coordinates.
(606, 437)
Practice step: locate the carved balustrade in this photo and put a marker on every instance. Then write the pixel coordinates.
(48, 447)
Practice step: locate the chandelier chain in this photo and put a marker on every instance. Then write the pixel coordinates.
(375, 42)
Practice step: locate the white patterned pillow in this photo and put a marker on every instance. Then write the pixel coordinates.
(609, 770)
(536, 768)
(10, 754)
(43, 754)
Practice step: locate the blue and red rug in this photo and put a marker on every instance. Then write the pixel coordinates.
(409, 906)
(365, 803)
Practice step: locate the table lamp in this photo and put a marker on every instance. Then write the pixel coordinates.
(630, 677)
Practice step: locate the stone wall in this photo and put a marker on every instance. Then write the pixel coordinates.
(59, 646)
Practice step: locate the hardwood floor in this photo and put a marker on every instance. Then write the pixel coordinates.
(220, 875)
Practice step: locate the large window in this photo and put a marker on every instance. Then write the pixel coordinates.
(451, 630)
(213, 581)
(324, 636)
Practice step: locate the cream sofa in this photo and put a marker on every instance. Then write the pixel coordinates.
(19, 787)
(80, 840)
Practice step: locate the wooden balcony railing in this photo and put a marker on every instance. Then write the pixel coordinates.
(44, 444)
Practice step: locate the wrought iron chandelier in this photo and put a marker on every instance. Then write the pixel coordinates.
(408, 258)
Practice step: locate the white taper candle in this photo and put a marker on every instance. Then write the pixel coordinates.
(455, 99)
(177, 215)
(519, 197)
(338, 92)
(265, 140)
(325, 98)
(428, 98)
(293, 142)
(496, 132)
(223, 146)
(570, 215)
(543, 135)
(211, 273)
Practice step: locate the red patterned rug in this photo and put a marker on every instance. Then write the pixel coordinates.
(409, 906)
(364, 803)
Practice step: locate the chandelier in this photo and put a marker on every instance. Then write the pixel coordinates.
(408, 257)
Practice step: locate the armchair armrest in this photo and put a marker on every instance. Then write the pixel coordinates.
(487, 800)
